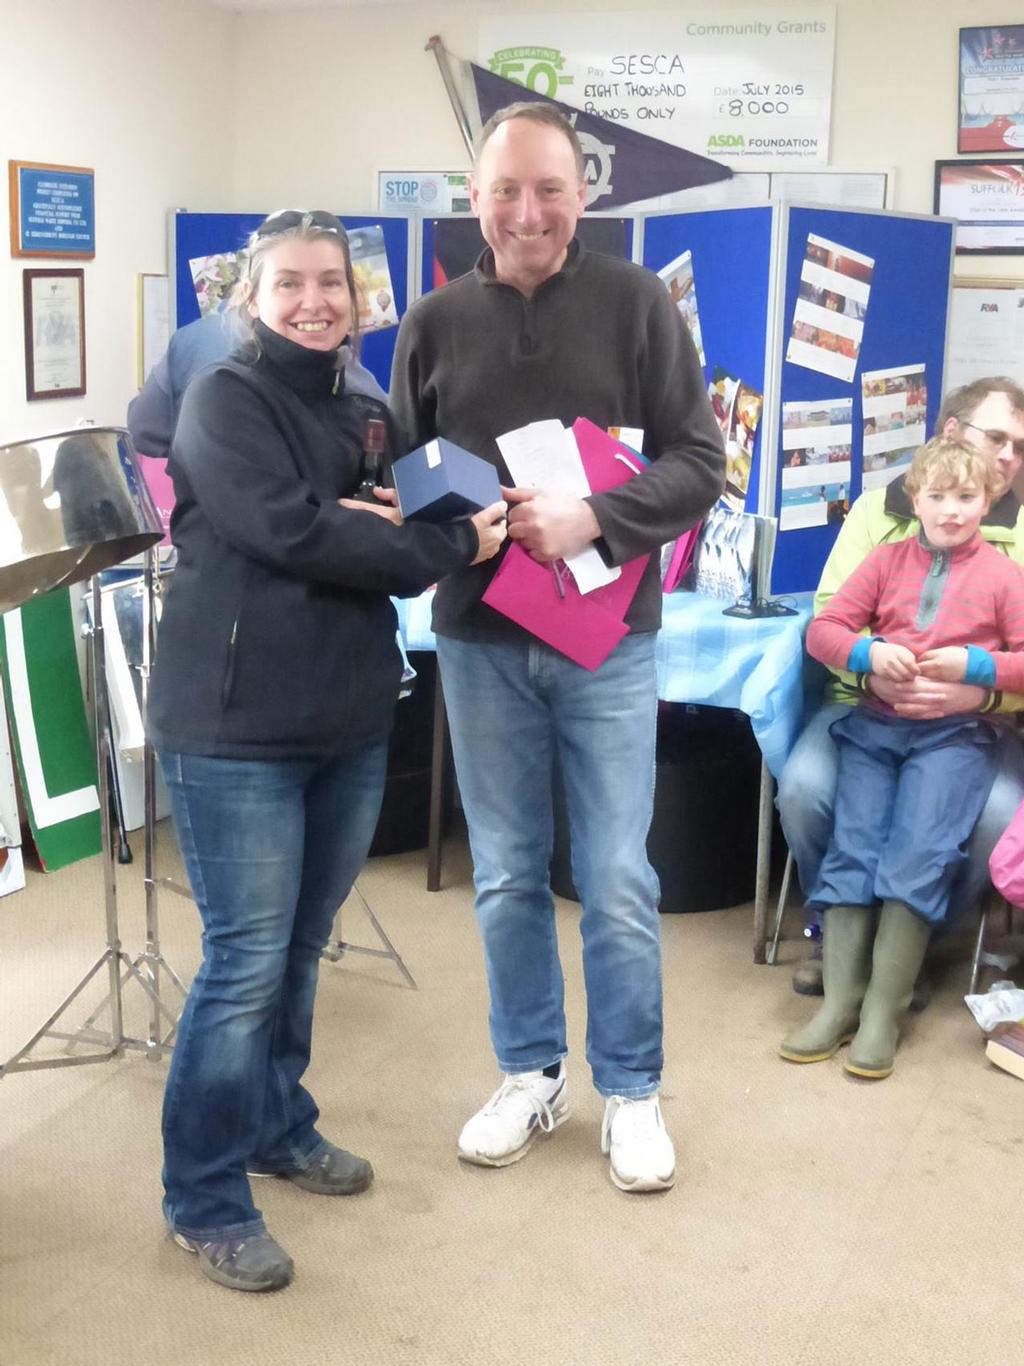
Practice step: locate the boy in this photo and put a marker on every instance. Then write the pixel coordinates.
(909, 791)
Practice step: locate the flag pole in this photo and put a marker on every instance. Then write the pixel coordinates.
(436, 45)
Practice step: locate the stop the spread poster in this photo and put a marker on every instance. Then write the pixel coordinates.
(743, 86)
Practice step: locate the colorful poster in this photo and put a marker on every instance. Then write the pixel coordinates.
(991, 89)
(678, 280)
(740, 85)
(817, 440)
(894, 404)
(828, 320)
(738, 409)
(376, 293)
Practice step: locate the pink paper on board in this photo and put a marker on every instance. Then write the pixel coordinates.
(160, 485)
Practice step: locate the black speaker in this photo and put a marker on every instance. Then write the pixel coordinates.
(703, 837)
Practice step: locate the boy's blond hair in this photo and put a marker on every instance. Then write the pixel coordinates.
(945, 462)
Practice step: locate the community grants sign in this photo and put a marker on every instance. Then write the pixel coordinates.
(743, 86)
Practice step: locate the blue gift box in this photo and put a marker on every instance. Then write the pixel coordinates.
(441, 481)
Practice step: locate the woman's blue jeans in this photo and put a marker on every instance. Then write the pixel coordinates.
(512, 707)
(272, 849)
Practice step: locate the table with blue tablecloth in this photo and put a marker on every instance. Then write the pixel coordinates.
(755, 665)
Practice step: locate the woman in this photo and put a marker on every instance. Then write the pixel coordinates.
(272, 698)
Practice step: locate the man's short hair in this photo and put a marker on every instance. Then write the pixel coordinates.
(964, 402)
(945, 462)
(549, 115)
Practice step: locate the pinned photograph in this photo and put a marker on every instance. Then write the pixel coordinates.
(832, 302)
(817, 441)
(374, 289)
(894, 407)
(678, 280)
(214, 279)
(739, 445)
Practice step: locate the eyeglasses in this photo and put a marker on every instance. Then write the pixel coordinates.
(293, 218)
(997, 441)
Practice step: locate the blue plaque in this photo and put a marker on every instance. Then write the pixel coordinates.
(55, 210)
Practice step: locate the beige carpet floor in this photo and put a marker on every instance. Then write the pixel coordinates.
(816, 1219)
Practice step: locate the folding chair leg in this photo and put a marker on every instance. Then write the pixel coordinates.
(773, 948)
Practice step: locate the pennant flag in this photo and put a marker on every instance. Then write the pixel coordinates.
(622, 165)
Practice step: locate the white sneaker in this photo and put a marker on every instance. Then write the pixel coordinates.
(634, 1134)
(525, 1104)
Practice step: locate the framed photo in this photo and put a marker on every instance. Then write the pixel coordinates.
(53, 210)
(54, 333)
(991, 89)
(987, 200)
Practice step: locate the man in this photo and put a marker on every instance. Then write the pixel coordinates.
(989, 414)
(542, 329)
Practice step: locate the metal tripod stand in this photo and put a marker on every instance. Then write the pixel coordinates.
(111, 1041)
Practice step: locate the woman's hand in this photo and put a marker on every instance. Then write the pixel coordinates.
(491, 529)
(893, 661)
(948, 663)
(388, 508)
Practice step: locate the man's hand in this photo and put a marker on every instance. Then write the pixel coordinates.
(928, 699)
(892, 661)
(549, 524)
(948, 663)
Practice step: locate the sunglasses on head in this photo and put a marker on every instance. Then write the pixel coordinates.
(293, 218)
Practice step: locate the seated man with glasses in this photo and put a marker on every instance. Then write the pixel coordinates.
(988, 414)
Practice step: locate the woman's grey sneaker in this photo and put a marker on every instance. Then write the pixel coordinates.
(330, 1171)
(256, 1263)
(525, 1104)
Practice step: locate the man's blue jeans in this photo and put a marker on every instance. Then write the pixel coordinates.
(807, 795)
(272, 849)
(512, 707)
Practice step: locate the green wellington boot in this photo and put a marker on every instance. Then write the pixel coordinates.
(846, 966)
(900, 945)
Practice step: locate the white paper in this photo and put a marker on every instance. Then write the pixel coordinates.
(545, 455)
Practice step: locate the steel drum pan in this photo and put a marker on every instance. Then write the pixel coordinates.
(71, 504)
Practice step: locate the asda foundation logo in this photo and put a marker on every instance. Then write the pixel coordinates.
(537, 68)
(725, 142)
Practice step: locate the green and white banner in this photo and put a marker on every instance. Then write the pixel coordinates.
(54, 748)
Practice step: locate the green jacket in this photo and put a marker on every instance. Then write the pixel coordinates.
(885, 515)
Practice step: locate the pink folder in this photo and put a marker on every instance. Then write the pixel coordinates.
(584, 627)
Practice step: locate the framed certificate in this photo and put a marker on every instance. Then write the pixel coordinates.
(54, 333)
(987, 200)
(53, 210)
(991, 89)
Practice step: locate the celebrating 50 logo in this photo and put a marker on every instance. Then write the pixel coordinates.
(537, 68)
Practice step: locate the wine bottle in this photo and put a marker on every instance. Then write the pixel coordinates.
(374, 444)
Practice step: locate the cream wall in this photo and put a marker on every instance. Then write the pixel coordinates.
(373, 99)
(180, 103)
(141, 91)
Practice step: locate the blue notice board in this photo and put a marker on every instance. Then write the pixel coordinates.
(904, 325)
(199, 235)
(53, 210)
(730, 256)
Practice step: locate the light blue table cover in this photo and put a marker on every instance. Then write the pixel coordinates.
(756, 666)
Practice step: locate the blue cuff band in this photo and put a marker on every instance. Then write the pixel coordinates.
(981, 667)
(860, 656)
